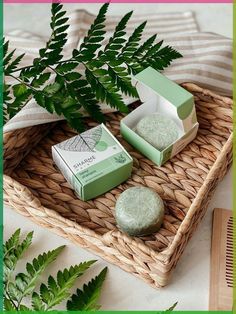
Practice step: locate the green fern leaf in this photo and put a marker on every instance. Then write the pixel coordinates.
(58, 290)
(56, 7)
(145, 46)
(163, 58)
(40, 99)
(153, 50)
(88, 101)
(31, 72)
(72, 76)
(75, 119)
(122, 80)
(115, 42)
(86, 299)
(8, 58)
(41, 79)
(168, 52)
(107, 71)
(52, 88)
(101, 83)
(12, 242)
(13, 249)
(60, 22)
(8, 305)
(19, 89)
(6, 101)
(66, 67)
(13, 65)
(21, 94)
(25, 283)
(51, 54)
(68, 103)
(37, 303)
(24, 308)
(10, 65)
(61, 29)
(119, 75)
(93, 39)
(5, 45)
(133, 41)
(170, 309)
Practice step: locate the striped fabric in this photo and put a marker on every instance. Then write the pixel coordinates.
(207, 57)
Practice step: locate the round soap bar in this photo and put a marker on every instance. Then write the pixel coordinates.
(158, 130)
(139, 211)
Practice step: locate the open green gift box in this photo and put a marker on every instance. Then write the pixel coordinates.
(161, 95)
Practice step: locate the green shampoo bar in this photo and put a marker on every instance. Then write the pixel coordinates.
(158, 130)
(93, 162)
(139, 211)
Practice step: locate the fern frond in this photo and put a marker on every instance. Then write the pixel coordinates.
(86, 299)
(87, 99)
(101, 83)
(10, 62)
(12, 242)
(24, 283)
(131, 46)
(122, 80)
(13, 249)
(95, 35)
(8, 305)
(41, 79)
(116, 41)
(5, 46)
(52, 52)
(145, 47)
(163, 58)
(152, 50)
(105, 75)
(58, 289)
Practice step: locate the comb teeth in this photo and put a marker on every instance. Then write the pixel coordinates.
(229, 253)
(221, 278)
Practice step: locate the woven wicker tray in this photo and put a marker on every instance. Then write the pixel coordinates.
(35, 188)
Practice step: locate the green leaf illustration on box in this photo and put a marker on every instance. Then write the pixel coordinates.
(85, 142)
(101, 146)
(120, 159)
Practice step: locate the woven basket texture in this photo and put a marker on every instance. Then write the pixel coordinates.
(36, 189)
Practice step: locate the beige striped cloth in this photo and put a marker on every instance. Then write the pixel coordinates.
(207, 57)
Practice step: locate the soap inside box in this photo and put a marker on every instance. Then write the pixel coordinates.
(156, 104)
(163, 96)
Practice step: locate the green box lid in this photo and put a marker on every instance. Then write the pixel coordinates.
(161, 85)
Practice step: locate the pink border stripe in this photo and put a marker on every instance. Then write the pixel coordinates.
(123, 1)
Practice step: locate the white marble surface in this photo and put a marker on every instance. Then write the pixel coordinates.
(190, 281)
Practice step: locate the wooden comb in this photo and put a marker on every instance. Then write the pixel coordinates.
(221, 273)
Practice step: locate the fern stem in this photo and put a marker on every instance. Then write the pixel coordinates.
(10, 299)
(23, 82)
(31, 66)
(20, 69)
